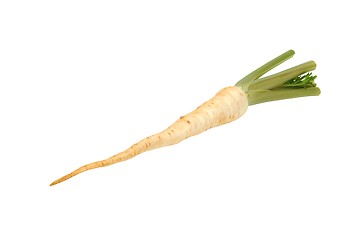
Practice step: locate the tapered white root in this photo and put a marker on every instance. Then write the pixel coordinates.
(226, 106)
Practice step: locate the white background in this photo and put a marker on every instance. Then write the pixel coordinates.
(83, 80)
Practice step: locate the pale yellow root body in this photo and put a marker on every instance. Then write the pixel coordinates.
(226, 106)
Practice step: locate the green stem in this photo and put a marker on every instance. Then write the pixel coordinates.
(261, 96)
(245, 82)
(294, 82)
(280, 78)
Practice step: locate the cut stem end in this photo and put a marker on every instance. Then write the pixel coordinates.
(294, 82)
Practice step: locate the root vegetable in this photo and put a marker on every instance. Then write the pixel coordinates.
(226, 106)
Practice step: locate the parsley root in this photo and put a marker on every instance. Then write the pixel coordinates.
(226, 106)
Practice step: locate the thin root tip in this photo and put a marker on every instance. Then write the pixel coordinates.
(54, 183)
(70, 175)
(64, 178)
